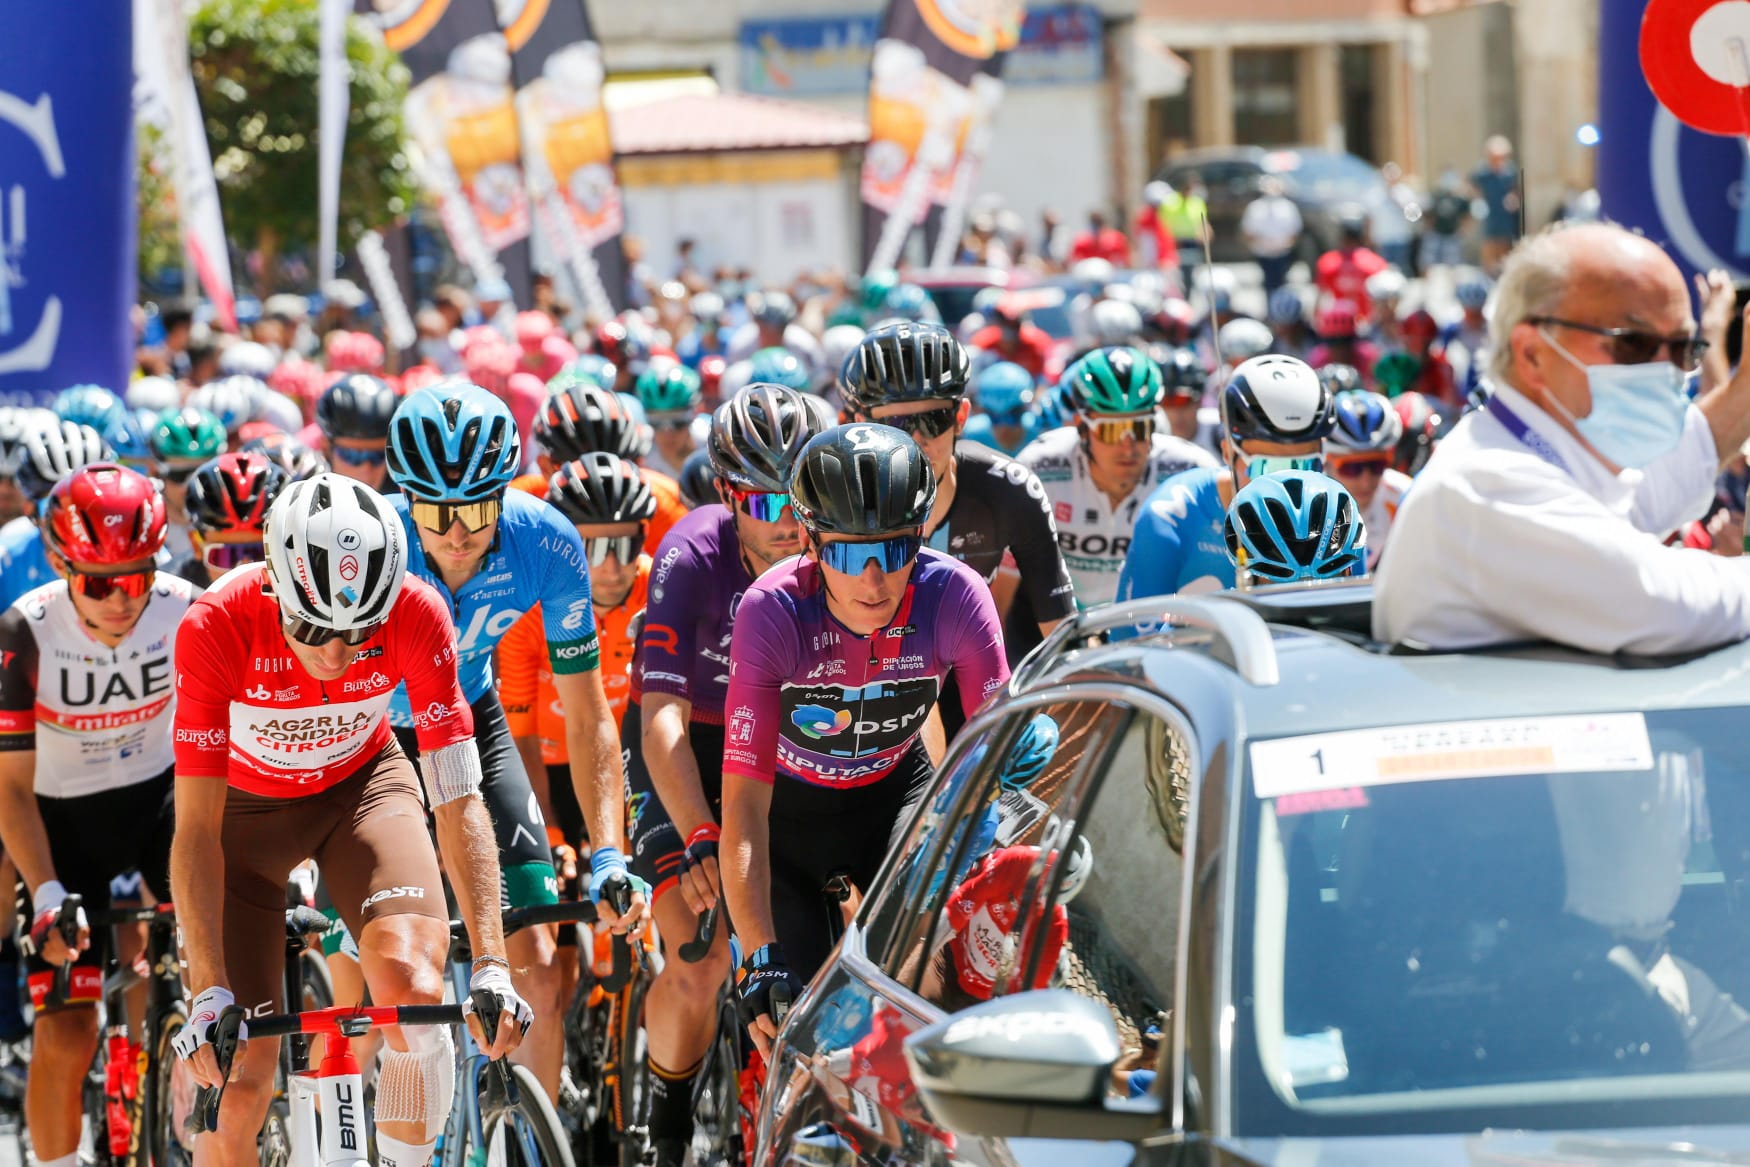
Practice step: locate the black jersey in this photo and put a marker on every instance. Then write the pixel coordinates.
(999, 506)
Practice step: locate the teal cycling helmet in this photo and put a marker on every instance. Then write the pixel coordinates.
(588, 369)
(91, 405)
(189, 434)
(1113, 381)
(1004, 391)
(779, 366)
(1293, 526)
(453, 442)
(668, 389)
(1030, 754)
(129, 435)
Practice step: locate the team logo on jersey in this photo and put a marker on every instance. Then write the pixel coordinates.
(258, 693)
(817, 721)
(635, 811)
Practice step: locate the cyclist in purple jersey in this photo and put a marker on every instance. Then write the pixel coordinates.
(673, 728)
(838, 661)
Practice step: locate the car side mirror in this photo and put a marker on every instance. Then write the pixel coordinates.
(1032, 1065)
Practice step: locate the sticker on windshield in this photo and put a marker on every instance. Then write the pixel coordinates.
(1453, 749)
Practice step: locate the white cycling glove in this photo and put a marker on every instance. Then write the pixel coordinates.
(202, 1014)
(495, 980)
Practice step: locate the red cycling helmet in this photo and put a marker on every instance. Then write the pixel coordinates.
(233, 492)
(711, 376)
(104, 514)
(1420, 325)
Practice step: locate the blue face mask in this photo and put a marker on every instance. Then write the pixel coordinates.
(1638, 411)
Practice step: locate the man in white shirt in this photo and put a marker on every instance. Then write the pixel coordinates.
(1271, 226)
(1542, 517)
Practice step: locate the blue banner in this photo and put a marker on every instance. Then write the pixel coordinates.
(1688, 191)
(67, 251)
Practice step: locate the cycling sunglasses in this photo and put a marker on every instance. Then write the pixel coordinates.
(1266, 464)
(931, 423)
(1356, 467)
(354, 456)
(766, 508)
(225, 556)
(890, 554)
(438, 517)
(99, 587)
(177, 475)
(671, 424)
(315, 635)
(625, 548)
(1633, 346)
(1113, 431)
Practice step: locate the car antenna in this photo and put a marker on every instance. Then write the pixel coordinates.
(1209, 290)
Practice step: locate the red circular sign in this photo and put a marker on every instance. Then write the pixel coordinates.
(349, 567)
(1693, 92)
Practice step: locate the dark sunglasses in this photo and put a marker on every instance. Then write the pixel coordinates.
(177, 475)
(225, 556)
(132, 584)
(766, 508)
(1112, 431)
(438, 517)
(890, 554)
(1632, 346)
(625, 548)
(353, 456)
(669, 425)
(315, 635)
(931, 423)
(1356, 467)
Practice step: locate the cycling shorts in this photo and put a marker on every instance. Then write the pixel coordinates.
(369, 836)
(523, 854)
(94, 838)
(817, 832)
(657, 846)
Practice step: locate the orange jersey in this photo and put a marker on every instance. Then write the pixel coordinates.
(525, 672)
(669, 507)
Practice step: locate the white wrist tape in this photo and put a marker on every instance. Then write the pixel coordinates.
(450, 773)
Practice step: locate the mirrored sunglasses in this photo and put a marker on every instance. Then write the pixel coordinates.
(438, 517)
(765, 508)
(890, 554)
(1357, 467)
(1112, 431)
(225, 556)
(624, 548)
(99, 586)
(315, 635)
(353, 456)
(1267, 464)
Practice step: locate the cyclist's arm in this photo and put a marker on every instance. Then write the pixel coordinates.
(1038, 558)
(22, 833)
(593, 744)
(747, 880)
(668, 753)
(934, 735)
(470, 853)
(1151, 566)
(197, 877)
(664, 664)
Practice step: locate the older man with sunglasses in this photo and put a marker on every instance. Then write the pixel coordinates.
(1543, 515)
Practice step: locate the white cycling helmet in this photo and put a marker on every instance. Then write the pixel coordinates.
(1093, 271)
(1387, 285)
(249, 357)
(230, 399)
(735, 378)
(336, 553)
(50, 449)
(275, 408)
(158, 394)
(15, 423)
(1243, 338)
(1114, 322)
(1275, 398)
(837, 343)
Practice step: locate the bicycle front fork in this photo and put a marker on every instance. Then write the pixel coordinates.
(341, 1089)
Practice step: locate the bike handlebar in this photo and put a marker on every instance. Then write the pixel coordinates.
(352, 1021)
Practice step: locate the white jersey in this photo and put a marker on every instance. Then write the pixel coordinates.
(1380, 513)
(98, 718)
(1093, 534)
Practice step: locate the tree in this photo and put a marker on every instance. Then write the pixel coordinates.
(160, 236)
(256, 68)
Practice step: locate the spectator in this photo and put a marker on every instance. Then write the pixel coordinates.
(178, 324)
(434, 345)
(1496, 183)
(1184, 211)
(1154, 243)
(1271, 227)
(686, 269)
(1050, 250)
(1343, 271)
(1447, 212)
(1100, 241)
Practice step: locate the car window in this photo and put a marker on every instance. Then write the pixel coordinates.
(1326, 177)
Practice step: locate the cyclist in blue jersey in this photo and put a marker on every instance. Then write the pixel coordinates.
(49, 451)
(1008, 420)
(1275, 416)
(493, 554)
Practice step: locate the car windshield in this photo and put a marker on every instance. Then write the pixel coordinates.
(1534, 922)
(1326, 177)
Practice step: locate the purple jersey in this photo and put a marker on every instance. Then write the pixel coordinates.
(696, 586)
(825, 706)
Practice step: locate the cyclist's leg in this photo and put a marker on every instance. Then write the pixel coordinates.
(381, 869)
(568, 821)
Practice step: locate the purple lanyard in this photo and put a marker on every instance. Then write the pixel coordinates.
(1530, 438)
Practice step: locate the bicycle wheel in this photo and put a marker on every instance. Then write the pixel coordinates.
(169, 1097)
(631, 1111)
(717, 1138)
(525, 1135)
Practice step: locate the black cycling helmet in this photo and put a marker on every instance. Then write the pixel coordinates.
(601, 488)
(585, 419)
(1182, 374)
(1276, 399)
(757, 434)
(904, 361)
(357, 406)
(1340, 378)
(698, 481)
(773, 308)
(862, 479)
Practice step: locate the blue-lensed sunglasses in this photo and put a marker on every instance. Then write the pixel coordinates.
(762, 507)
(1267, 464)
(890, 554)
(353, 456)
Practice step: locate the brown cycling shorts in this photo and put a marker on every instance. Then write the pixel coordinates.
(369, 835)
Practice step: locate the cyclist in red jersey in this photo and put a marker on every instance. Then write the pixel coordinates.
(1008, 337)
(283, 752)
(1343, 272)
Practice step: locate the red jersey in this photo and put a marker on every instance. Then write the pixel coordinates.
(1031, 353)
(1109, 245)
(1342, 275)
(247, 711)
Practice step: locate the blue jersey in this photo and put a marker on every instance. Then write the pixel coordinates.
(1178, 544)
(978, 429)
(538, 558)
(23, 564)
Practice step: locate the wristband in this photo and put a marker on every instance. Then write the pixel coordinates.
(765, 956)
(606, 860)
(705, 833)
(489, 959)
(49, 896)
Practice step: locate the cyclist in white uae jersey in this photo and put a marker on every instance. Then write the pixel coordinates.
(85, 708)
(1099, 471)
(1359, 455)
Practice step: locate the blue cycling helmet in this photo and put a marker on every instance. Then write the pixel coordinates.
(1285, 307)
(911, 302)
(91, 405)
(129, 435)
(1056, 407)
(1473, 292)
(1004, 390)
(1030, 754)
(779, 366)
(453, 442)
(1296, 525)
(1366, 422)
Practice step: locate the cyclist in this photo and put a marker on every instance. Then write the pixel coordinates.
(88, 658)
(1006, 420)
(670, 396)
(15, 510)
(492, 554)
(1295, 526)
(227, 504)
(1275, 416)
(182, 442)
(588, 419)
(1099, 470)
(1009, 337)
(283, 751)
(839, 656)
(91, 405)
(49, 451)
(914, 377)
(1183, 379)
(289, 454)
(353, 417)
(1359, 454)
(773, 325)
(1342, 273)
(673, 727)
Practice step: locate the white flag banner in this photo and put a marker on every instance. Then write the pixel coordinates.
(334, 98)
(165, 96)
